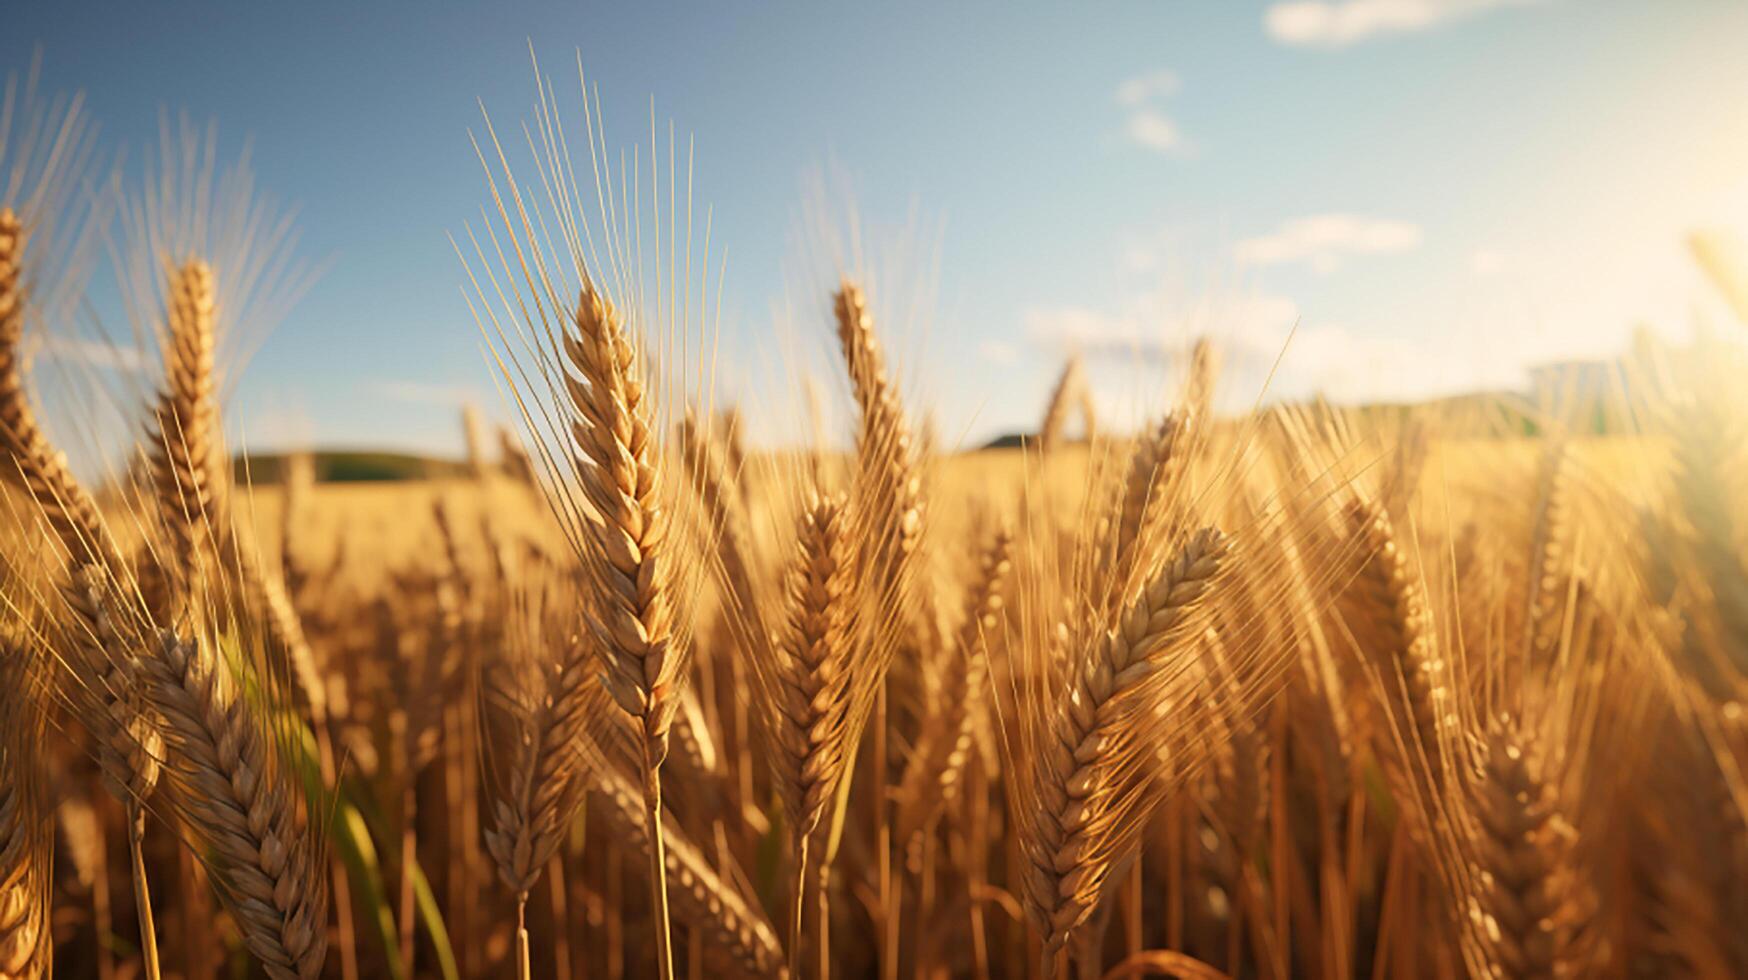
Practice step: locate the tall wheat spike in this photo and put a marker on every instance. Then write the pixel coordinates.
(1070, 386)
(888, 506)
(1153, 485)
(1385, 610)
(32, 462)
(888, 497)
(619, 471)
(185, 456)
(808, 680)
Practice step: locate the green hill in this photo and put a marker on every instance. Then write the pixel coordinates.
(352, 466)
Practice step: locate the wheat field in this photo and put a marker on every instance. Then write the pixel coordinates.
(1309, 690)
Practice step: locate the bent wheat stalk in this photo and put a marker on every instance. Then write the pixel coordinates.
(128, 739)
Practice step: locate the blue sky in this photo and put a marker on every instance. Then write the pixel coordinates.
(1437, 192)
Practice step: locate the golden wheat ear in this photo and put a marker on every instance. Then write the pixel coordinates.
(1080, 796)
(548, 703)
(932, 781)
(1384, 610)
(629, 562)
(31, 462)
(1071, 389)
(26, 813)
(236, 796)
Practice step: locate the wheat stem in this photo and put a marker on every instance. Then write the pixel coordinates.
(136, 840)
(522, 970)
(799, 906)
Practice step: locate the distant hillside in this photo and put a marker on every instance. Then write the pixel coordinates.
(352, 467)
(1486, 414)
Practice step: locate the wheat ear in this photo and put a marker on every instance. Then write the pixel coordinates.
(1533, 908)
(932, 780)
(241, 807)
(1138, 530)
(183, 450)
(1549, 540)
(26, 828)
(546, 781)
(888, 506)
(889, 488)
(808, 678)
(32, 461)
(1082, 805)
(1385, 609)
(1070, 385)
(630, 570)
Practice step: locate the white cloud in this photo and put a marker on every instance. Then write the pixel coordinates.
(1150, 87)
(1337, 23)
(1266, 349)
(1152, 129)
(1148, 124)
(94, 353)
(1324, 241)
(997, 352)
